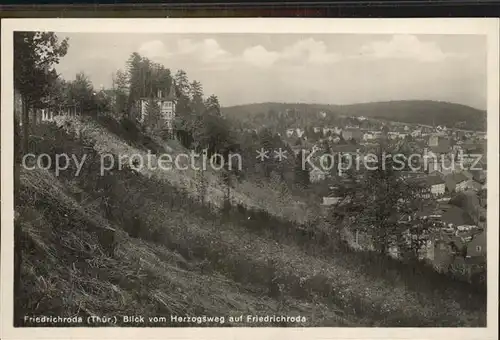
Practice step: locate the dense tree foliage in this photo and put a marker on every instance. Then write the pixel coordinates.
(35, 54)
(377, 201)
(120, 93)
(81, 91)
(212, 105)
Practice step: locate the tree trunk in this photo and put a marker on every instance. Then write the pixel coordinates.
(25, 121)
(33, 117)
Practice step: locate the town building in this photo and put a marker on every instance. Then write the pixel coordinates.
(432, 185)
(354, 134)
(455, 181)
(300, 132)
(469, 185)
(437, 185)
(392, 135)
(454, 216)
(334, 139)
(443, 146)
(327, 201)
(316, 175)
(47, 112)
(416, 133)
(433, 140)
(167, 105)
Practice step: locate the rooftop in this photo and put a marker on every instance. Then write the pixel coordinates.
(346, 148)
(474, 148)
(453, 179)
(433, 180)
(440, 148)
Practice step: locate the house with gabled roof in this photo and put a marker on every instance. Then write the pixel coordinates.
(166, 103)
(470, 185)
(300, 132)
(431, 185)
(436, 185)
(455, 181)
(352, 133)
(455, 216)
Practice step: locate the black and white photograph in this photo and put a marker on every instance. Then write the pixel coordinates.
(177, 176)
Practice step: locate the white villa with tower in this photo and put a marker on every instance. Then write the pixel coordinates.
(165, 103)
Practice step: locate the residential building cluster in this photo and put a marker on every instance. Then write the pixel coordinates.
(453, 177)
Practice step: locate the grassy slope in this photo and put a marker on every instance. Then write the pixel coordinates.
(185, 259)
(411, 111)
(245, 194)
(67, 272)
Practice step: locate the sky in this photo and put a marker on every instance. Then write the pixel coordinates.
(314, 68)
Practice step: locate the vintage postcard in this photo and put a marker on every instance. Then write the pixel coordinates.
(221, 178)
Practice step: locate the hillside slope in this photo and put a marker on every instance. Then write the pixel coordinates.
(421, 112)
(128, 243)
(187, 179)
(410, 111)
(70, 272)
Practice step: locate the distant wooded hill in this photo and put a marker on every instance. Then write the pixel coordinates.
(424, 112)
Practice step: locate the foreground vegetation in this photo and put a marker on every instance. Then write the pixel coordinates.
(171, 254)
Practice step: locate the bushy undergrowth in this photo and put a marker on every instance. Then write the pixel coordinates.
(130, 133)
(297, 265)
(68, 268)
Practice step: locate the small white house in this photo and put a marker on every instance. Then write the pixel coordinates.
(316, 175)
(47, 115)
(337, 130)
(368, 136)
(416, 133)
(437, 185)
(330, 200)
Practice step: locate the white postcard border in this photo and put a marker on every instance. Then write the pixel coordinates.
(488, 27)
